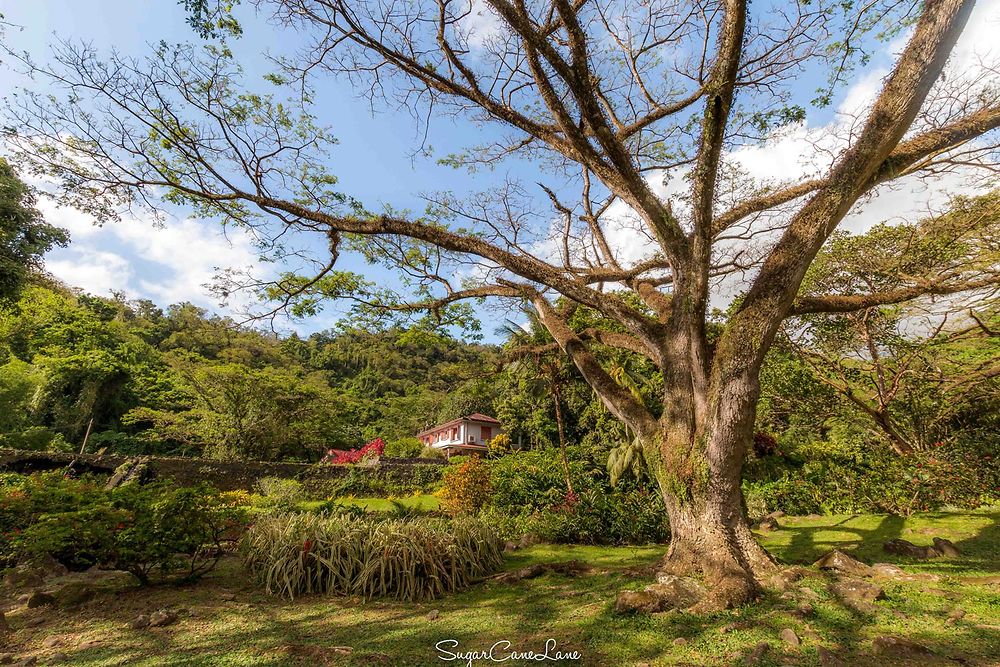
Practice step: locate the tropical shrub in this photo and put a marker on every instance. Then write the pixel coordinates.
(594, 516)
(412, 559)
(280, 494)
(24, 499)
(500, 445)
(529, 496)
(429, 452)
(466, 487)
(534, 480)
(36, 438)
(174, 532)
(838, 479)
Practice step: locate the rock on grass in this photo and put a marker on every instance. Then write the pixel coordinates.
(857, 594)
(788, 636)
(899, 647)
(839, 561)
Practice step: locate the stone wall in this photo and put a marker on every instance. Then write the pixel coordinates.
(224, 475)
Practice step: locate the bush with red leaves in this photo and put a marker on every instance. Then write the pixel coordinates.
(765, 444)
(372, 450)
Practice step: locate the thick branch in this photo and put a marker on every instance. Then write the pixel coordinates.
(904, 159)
(846, 303)
(617, 399)
(894, 111)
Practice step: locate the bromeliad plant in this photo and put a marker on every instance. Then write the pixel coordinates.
(417, 559)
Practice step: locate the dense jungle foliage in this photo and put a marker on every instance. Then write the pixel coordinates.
(181, 381)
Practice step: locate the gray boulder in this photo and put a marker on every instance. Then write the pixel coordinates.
(789, 637)
(900, 647)
(946, 547)
(162, 617)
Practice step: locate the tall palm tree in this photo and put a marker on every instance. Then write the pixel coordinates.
(531, 353)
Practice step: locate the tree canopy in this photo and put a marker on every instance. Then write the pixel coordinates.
(24, 236)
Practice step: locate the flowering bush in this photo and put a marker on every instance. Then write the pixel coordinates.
(534, 480)
(371, 451)
(173, 531)
(466, 487)
(26, 498)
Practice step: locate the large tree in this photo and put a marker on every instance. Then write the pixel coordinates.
(608, 99)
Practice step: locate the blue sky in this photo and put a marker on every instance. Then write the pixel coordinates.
(374, 160)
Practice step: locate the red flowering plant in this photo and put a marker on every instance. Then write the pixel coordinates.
(372, 451)
(568, 502)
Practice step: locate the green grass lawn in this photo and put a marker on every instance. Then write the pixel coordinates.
(425, 502)
(255, 629)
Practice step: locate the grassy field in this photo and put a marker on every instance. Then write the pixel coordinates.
(224, 620)
(425, 502)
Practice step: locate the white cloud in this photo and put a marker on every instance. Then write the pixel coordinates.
(92, 269)
(79, 224)
(166, 263)
(481, 24)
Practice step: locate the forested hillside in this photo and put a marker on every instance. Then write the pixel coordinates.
(181, 381)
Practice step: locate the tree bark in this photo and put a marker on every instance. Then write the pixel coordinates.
(710, 535)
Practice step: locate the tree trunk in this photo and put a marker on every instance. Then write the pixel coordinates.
(557, 398)
(710, 536)
(699, 473)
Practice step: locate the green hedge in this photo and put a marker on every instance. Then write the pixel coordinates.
(824, 478)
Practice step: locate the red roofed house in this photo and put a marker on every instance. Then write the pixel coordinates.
(463, 435)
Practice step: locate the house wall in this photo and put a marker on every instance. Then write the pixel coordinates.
(475, 430)
(465, 429)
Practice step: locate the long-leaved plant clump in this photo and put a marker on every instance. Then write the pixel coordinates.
(409, 559)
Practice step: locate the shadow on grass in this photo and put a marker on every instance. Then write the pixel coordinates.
(808, 543)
